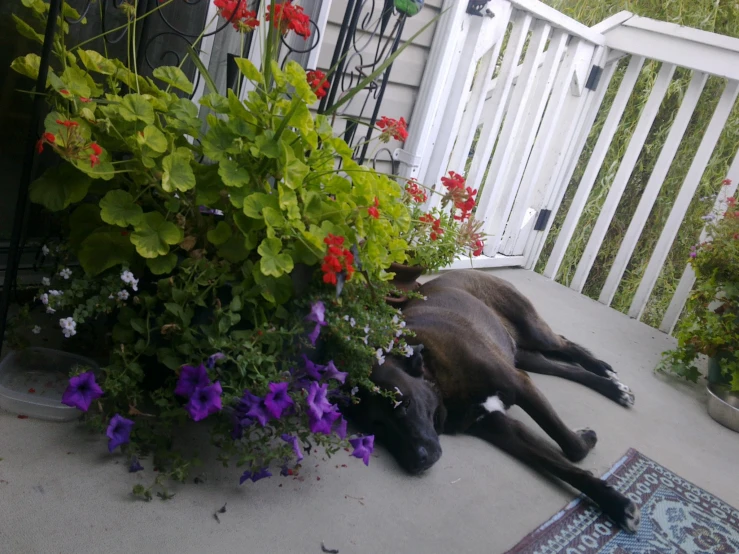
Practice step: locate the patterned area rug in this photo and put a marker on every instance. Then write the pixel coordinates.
(677, 518)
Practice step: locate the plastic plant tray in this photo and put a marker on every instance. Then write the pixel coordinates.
(33, 380)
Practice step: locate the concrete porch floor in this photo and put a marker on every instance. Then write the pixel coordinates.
(60, 491)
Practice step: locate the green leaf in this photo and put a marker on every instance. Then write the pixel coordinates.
(162, 264)
(85, 219)
(195, 58)
(24, 29)
(255, 203)
(183, 116)
(173, 76)
(178, 174)
(220, 234)
(234, 249)
(59, 187)
(296, 77)
(135, 107)
(289, 202)
(27, 65)
(218, 140)
(168, 358)
(249, 70)
(273, 218)
(295, 172)
(266, 146)
(233, 175)
(118, 208)
(274, 290)
(38, 6)
(79, 83)
(154, 235)
(104, 249)
(153, 139)
(274, 262)
(96, 62)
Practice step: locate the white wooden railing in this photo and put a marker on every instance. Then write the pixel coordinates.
(532, 120)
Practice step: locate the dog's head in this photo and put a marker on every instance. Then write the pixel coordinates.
(409, 427)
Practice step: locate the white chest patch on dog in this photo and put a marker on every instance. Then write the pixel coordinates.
(494, 404)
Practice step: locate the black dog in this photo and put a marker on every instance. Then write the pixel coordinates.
(475, 335)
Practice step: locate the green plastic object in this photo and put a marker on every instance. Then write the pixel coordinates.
(409, 7)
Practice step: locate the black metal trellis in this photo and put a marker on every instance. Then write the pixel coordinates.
(161, 39)
(370, 33)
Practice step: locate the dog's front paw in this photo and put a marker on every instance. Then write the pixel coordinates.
(621, 393)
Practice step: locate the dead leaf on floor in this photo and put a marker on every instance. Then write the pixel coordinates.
(329, 550)
(221, 510)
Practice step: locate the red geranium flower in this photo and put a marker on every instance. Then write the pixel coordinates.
(288, 17)
(337, 260)
(68, 123)
(46, 137)
(392, 128)
(83, 99)
(318, 83)
(373, 211)
(235, 11)
(462, 197)
(726, 182)
(415, 191)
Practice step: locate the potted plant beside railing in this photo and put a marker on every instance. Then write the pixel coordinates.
(711, 322)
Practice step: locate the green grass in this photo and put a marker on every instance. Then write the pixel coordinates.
(721, 16)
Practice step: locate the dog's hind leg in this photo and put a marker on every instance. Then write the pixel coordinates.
(514, 438)
(574, 444)
(536, 362)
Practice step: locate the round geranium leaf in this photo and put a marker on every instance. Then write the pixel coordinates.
(118, 208)
(59, 187)
(220, 234)
(274, 262)
(153, 235)
(178, 174)
(162, 264)
(104, 249)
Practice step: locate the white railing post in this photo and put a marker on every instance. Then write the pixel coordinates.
(672, 315)
(684, 197)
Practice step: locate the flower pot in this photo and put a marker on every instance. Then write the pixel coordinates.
(723, 406)
(405, 280)
(715, 376)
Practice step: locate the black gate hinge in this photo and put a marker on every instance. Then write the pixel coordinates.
(594, 78)
(542, 220)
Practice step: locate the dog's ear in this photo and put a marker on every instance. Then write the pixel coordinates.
(415, 364)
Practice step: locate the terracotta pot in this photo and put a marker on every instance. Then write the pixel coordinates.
(405, 280)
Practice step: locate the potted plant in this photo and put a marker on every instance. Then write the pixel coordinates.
(711, 322)
(437, 236)
(240, 268)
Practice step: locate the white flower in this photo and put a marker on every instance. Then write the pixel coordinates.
(50, 310)
(45, 281)
(396, 404)
(111, 297)
(408, 351)
(367, 329)
(402, 324)
(352, 322)
(36, 330)
(45, 250)
(355, 390)
(365, 339)
(128, 278)
(44, 299)
(390, 346)
(56, 292)
(375, 389)
(380, 357)
(398, 391)
(396, 319)
(69, 327)
(65, 273)
(425, 298)
(123, 294)
(346, 318)
(398, 332)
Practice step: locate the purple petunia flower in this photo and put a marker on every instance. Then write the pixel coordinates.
(135, 465)
(363, 447)
(119, 431)
(191, 378)
(341, 429)
(254, 476)
(331, 372)
(324, 423)
(312, 370)
(211, 363)
(313, 335)
(317, 402)
(293, 442)
(277, 399)
(205, 401)
(81, 391)
(317, 313)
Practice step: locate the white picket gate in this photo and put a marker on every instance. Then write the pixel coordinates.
(524, 84)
